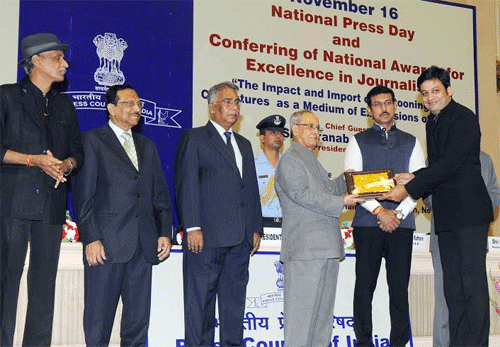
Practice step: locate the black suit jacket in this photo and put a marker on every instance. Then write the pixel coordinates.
(117, 204)
(453, 177)
(211, 194)
(23, 187)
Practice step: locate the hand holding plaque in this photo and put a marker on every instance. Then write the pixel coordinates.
(370, 184)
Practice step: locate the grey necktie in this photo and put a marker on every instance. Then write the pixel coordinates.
(129, 148)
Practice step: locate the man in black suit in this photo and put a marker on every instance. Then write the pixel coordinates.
(219, 207)
(125, 221)
(461, 206)
(40, 146)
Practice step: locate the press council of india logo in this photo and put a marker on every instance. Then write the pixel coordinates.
(152, 114)
(110, 49)
(271, 297)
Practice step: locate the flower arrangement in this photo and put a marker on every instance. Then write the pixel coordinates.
(495, 295)
(70, 230)
(347, 238)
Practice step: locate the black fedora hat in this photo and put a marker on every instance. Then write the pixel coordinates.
(39, 43)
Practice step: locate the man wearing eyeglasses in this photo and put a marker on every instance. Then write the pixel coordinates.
(40, 147)
(383, 230)
(125, 221)
(218, 203)
(311, 246)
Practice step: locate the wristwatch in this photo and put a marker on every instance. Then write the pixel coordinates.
(399, 215)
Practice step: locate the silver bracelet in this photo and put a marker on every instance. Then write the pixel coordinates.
(71, 168)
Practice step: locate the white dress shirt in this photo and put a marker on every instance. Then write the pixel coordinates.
(119, 131)
(237, 153)
(354, 160)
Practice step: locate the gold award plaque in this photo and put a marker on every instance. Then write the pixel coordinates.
(370, 183)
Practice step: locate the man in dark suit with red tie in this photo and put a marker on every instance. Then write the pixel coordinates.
(219, 208)
(125, 221)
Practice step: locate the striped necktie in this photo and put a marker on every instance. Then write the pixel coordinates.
(129, 148)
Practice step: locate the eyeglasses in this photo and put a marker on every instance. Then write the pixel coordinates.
(312, 127)
(229, 102)
(131, 103)
(379, 104)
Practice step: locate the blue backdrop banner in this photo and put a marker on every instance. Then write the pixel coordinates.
(147, 44)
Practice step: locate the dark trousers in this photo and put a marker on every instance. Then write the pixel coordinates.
(45, 245)
(221, 272)
(371, 245)
(104, 284)
(463, 257)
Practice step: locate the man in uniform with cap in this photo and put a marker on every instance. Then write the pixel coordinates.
(272, 130)
(40, 146)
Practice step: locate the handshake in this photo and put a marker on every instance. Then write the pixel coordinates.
(399, 192)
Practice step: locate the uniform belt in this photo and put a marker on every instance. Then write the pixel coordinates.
(272, 222)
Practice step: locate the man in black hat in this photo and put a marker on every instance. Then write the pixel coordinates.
(40, 147)
(272, 129)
